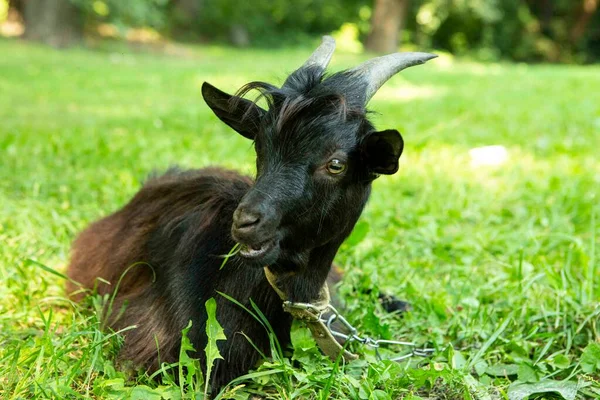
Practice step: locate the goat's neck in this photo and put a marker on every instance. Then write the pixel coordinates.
(306, 273)
(303, 283)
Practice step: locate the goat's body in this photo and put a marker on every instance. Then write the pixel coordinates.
(165, 246)
(317, 155)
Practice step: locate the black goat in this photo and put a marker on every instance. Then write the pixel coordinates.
(317, 155)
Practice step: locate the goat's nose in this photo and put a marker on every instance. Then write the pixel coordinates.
(245, 219)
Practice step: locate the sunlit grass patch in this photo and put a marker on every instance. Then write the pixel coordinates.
(500, 260)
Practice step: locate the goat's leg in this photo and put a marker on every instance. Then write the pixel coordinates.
(390, 303)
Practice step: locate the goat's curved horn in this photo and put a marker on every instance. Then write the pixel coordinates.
(377, 71)
(322, 55)
(319, 58)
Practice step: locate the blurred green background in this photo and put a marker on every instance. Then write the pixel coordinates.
(522, 30)
(490, 228)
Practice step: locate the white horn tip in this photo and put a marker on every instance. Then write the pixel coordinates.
(328, 39)
(417, 57)
(427, 56)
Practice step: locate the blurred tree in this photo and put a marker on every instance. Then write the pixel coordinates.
(125, 14)
(58, 23)
(386, 24)
(16, 5)
(585, 14)
(184, 15)
(523, 30)
(274, 22)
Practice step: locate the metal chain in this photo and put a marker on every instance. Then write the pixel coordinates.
(353, 336)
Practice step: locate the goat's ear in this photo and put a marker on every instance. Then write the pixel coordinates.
(381, 151)
(242, 115)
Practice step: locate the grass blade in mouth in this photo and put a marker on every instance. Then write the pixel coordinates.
(234, 250)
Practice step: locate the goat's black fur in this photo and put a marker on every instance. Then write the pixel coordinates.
(180, 224)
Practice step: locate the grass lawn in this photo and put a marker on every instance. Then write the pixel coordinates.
(501, 262)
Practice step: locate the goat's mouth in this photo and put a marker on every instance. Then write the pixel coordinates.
(255, 252)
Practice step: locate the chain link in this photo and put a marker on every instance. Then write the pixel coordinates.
(352, 333)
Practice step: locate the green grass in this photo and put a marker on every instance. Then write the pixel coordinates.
(500, 263)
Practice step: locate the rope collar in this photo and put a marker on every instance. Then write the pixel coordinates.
(310, 313)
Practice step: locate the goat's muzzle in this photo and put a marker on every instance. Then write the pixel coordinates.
(255, 229)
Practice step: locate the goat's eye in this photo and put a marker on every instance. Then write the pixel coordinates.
(336, 166)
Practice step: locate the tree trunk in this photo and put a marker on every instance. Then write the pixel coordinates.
(546, 17)
(16, 5)
(586, 12)
(55, 22)
(386, 24)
